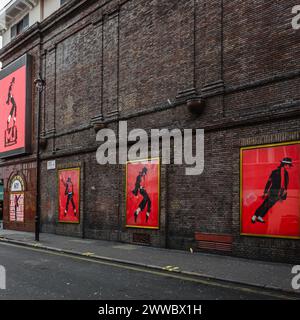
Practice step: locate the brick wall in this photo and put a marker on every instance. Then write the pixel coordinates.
(122, 60)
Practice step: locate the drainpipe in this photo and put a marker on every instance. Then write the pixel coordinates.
(40, 85)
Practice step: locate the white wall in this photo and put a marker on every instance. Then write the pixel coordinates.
(35, 16)
(6, 37)
(50, 6)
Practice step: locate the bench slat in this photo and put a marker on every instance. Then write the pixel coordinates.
(212, 241)
(214, 246)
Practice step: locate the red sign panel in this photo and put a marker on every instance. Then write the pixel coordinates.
(68, 195)
(16, 207)
(142, 194)
(15, 108)
(270, 190)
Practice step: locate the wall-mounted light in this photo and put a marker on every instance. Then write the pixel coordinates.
(40, 83)
(196, 105)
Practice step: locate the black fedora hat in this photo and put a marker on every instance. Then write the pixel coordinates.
(287, 161)
(144, 170)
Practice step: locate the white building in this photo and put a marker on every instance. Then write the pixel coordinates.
(19, 15)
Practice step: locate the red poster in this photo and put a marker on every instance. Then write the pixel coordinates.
(16, 207)
(270, 190)
(68, 195)
(142, 194)
(15, 95)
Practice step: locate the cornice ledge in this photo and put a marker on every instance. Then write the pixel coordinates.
(19, 41)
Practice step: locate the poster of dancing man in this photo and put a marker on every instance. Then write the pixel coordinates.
(15, 108)
(142, 194)
(16, 199)
(270, 190)
(11, 132)
(16, 207)
(69, 188)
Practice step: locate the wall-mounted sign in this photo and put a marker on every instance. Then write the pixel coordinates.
(15, 108)
(142, 194)
(270, 190)
(16, 199)
(68, 195)
(16, 212)
(51, 165)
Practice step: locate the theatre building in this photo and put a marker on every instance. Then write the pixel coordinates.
(73, 68)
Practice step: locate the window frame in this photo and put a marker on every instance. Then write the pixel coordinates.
(19, 27)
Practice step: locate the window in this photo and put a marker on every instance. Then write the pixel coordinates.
(19, 27)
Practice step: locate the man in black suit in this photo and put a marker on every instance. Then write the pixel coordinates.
(275, 190)
(69, 192)
(140, 188)
(10, 99)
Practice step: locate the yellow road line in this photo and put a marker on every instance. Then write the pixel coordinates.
(88, 254)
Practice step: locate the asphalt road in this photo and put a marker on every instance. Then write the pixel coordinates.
(37, 274)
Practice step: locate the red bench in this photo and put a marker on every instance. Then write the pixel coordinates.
(213, 241)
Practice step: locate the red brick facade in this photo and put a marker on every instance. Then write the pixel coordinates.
(106, 61)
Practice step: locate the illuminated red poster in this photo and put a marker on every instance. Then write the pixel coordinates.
(15, 109)
(142, 194)
(68, 195)
(270, 190)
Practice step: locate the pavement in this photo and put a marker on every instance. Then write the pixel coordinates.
(267, 275)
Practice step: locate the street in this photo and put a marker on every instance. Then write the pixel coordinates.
(38, 274)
